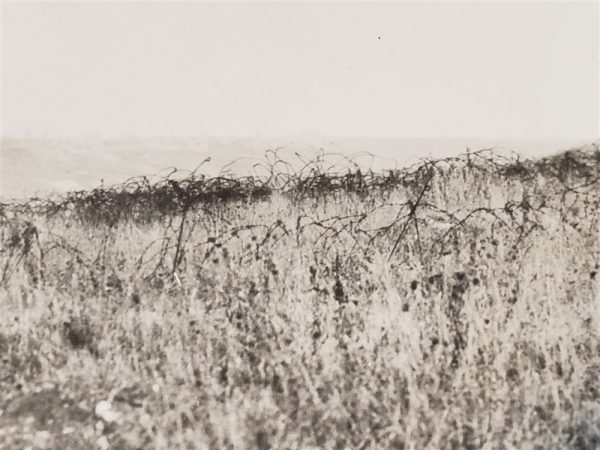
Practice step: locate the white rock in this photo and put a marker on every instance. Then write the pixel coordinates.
(105, 411)
(102, 443)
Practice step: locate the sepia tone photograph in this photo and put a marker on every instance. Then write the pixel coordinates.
(300, 225)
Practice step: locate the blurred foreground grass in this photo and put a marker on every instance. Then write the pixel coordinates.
(452, 304)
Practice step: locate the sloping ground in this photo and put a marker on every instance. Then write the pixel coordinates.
(453, 304)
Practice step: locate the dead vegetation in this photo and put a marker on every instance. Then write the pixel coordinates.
(450, 304)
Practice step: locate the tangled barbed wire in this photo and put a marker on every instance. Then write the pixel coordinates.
(549, 186)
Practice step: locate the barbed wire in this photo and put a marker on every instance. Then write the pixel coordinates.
(551, 185)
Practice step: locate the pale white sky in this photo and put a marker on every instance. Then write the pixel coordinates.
(488, 70)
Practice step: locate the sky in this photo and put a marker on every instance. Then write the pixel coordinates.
(480, 69)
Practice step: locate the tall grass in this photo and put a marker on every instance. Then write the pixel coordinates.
(451, 304)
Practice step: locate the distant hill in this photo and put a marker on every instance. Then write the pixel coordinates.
(41, 166)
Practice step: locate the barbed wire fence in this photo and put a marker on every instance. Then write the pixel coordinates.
(183, 202)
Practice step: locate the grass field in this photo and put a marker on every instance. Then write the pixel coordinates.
(454, 304)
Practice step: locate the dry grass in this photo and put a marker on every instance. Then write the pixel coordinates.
(454, 305)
